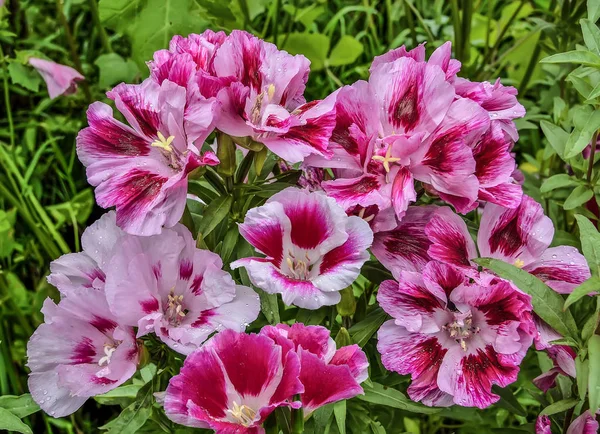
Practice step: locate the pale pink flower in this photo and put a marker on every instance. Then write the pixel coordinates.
(313, 249)
(457, 337)
(60, 79)
(586, 423)
(164, 284)
(233, 383)
(78, 352)
(142, 170)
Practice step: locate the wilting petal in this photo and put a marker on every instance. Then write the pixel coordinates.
(522, 233)
(547, 380)
(584, 424)
(543, 425)
(405, 248)
(562, 268)
(60, 79)
(450, 238)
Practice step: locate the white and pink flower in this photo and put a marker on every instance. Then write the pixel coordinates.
(456, 337)
(232, 383)
(164, 284)
(142, 169)
(313, 249)
(80, 351)
(328, 375)
(60, 79)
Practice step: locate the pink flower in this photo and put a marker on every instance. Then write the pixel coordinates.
(543, 425)
(232, 383)
(520, 236)
(142, 170)
(265, 100)
(313, 249)
(77, 271)
(584, 424)
(328, 375)
(78, 352)
(456, 337)
(163, 283)
(60, 79)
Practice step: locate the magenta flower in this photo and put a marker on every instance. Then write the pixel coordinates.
(76, 271)
(328, 375)
(586, 423)
(232, 383)
(313, 249)
(456, 337)
(265, 100)
(164, 284)
(78, 352)
(60, 79)
(543, 425)
(520, 236)
(142, 170)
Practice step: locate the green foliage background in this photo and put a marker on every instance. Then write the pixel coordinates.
(45, 201)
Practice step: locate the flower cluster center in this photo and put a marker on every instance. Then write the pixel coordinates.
(300, 268)
(243, 414)
(461, 330)
(175, 311)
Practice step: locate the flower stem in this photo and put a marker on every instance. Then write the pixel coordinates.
(101, 31)
(11, 127)
(297, 421)
(592, 155)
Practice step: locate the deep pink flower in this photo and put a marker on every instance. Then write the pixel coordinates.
(313, 249)
(164, 284)
(142, 170)
(265, 100)
(543, 425)
(328, 375)
(76, 271)
(584, 424)
(232, 383)
(79, 351)
(60, 79)
(520, 236)
(456, 337)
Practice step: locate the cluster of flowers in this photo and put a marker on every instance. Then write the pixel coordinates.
(456, 329)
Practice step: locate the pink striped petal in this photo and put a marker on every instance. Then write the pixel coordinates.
(450, 238)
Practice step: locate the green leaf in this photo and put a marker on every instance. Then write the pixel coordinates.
(229, 242)
(362, 331)
(547, 303)
(390, 397)
(590, 243)
(593, 7)
(315, 46)
(347, 304)
(582, 369)
(25, 76)
(577, 57)
(594, 377)
(7, 232)
(128, 391)
(339, 410)
(508, 401)
(559, 406)
(557, 181)
(377, 428)
(214, 214)
(343, 339)
(21, 406)
(133, 417)
(581, 136)
(557, 137)
(590, 326)
(269, 306)
(590, 285)
(591, 35)
(114, 69)
(579, 196)
(346, 51)
(322, 417)
(11, 422)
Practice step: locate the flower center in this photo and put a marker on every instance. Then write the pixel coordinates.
(175, 311)
(109, 349)
(368, 218)
(519, 263)
(386, 159)
(162, 142)
(299, 267)
(242, 414)
(461, 329)
(255, 113)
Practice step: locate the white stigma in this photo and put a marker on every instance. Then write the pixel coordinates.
(461, 331)
(243, 414)
(109, 349)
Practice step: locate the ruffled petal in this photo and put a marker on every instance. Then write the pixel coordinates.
(450, 238)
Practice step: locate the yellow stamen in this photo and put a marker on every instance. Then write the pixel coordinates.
(162, 142)
(519, 263)
(243, 414)
(387, 159)
(271, 91)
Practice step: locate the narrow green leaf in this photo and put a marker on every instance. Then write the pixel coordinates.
(582, 368)
(322, 417)
(594, 376)
(229, 242)
(390, 397)
(591, 35)
(593, 8)
(577, 57)
(557, 137)
(508, 401)
(346, 51)
(214, 213)
(590, 243)
(362, 331)
(579, 196)
(21, 406)
(559, 406)
(590, 326)
(557, 181)
(547, 303)
(339, 410)
(590, 285)
(11, 422)
(581, 136)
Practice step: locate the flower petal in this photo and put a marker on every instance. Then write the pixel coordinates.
(562, 268)
(450, 238)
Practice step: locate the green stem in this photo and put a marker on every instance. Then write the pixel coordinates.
(298, 421)
(101, 31)
(466, 29)
(11, 127)
(411, 23)
(456, 26)
(592, 155)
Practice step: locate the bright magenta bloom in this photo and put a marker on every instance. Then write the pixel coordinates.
(60, 79)
(313, 249)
